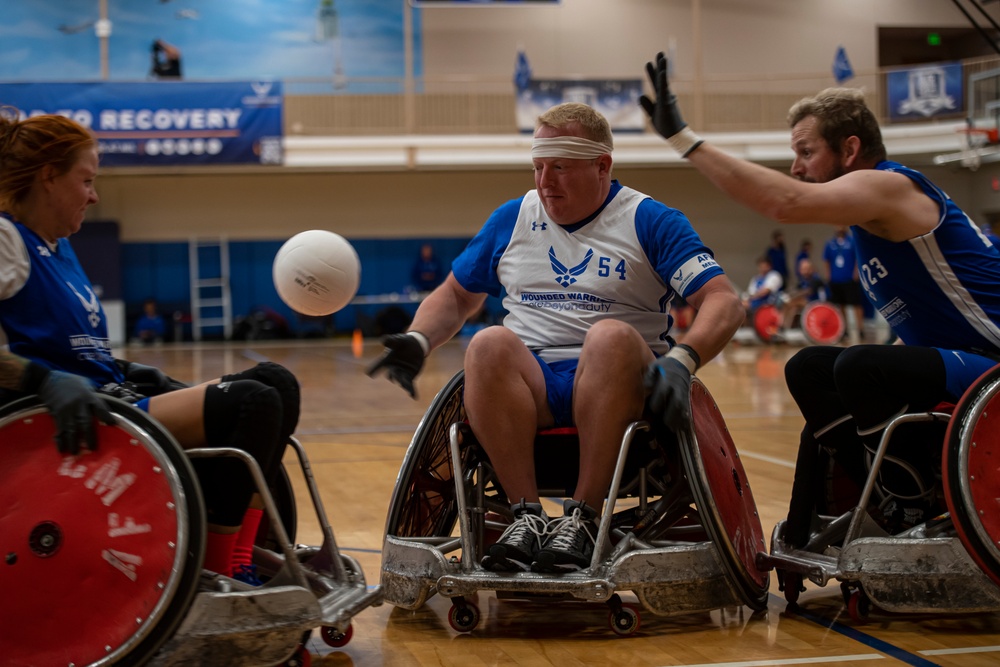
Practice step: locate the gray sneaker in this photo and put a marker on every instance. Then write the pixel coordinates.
(517, 546)
(570, 545)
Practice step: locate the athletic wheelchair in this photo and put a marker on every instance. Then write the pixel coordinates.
(679, 528)
(820, 323)
(102, 556)
(949, 563)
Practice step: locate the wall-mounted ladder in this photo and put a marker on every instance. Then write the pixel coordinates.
(211, 298)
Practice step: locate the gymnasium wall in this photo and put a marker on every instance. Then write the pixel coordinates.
(387, 214)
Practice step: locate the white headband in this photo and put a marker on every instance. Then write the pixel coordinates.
(575, 148)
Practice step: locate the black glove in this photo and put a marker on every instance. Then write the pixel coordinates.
(403, 358)
(669, 381)
(664, 112)
(73, 404)
(145, 380)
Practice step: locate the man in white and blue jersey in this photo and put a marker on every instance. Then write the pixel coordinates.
(923, 265)
(587, 268)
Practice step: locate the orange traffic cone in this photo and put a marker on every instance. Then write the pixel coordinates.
(357, 343)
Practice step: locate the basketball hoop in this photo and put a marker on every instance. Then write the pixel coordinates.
(976, 140)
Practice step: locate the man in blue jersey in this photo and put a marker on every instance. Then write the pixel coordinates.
(588, 268)
(923, 264)
(842, 274)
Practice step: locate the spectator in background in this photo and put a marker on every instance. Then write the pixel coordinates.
(764, 287)
(805, 252)
(776, 255)
(810, 288)
(166, 60)
(151, 327)
(427, 272)
(842, 275)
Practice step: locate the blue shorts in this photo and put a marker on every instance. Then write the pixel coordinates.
(962, 369)
(143, 405)
(559, 377)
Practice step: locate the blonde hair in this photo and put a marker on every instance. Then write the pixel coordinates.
(595, 126)
(29, 145)
(841, 113)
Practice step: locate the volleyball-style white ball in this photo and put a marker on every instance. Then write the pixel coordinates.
(316, 272)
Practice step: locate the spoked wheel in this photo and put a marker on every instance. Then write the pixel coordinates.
(766, 322)
(102, 550)
(423, 501)
(722, 494)
(463, 615)
(971, 451)
(822, 323)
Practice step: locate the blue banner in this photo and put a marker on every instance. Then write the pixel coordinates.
(920, 93)
(160, 123)
(616, 99)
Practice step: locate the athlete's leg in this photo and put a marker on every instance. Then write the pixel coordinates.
(506, 403)
(608, 394)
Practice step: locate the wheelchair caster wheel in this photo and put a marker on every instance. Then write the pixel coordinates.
(859, 606)
(334, 637)
(301, 658)
(624, 622)
(463, 616)
(791, 584)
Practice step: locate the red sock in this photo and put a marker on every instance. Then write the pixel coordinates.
(219, 552)
(243, 549)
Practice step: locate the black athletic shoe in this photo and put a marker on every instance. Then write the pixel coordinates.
(570, 545)
(516, 548)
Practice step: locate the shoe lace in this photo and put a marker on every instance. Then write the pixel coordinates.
(568, 532)
(525, 524)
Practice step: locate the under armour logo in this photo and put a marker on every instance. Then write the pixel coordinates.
(90, 305)
(535, 226)
(564, 276)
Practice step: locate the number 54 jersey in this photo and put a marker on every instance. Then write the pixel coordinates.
(625, 262)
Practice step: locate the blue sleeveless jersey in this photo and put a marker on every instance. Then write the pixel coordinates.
(941, 289)
(55, 319)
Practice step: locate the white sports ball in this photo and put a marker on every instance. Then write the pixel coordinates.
(316, 272)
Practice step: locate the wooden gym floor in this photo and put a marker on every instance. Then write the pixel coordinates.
(356, 430)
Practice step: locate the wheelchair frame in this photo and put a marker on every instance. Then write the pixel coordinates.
(949, 564)
(208, 618)
(669, 576)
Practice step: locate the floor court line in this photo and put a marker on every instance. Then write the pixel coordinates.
(795, 661)
(872, 642)
(953, 651)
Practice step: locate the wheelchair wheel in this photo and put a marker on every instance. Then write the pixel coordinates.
(971, 487)
(423, 501)
(822, 323)
(723, 498)
(766, 322)
(103, 551)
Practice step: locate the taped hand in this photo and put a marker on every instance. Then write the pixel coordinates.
(403, 358)
(664, 112)
(668, 379)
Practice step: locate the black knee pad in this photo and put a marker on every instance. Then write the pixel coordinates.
(245, 414)
(281, 379)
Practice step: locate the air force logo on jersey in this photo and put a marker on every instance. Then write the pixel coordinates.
(567, 276)
(91, 305)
